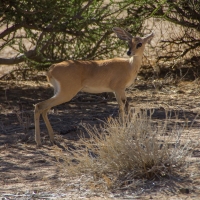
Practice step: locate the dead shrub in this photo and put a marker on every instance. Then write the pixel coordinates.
(118, 154)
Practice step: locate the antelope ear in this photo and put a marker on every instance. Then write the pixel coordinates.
(149, 37)
(122, 34)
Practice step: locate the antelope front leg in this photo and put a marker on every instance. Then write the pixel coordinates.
(121, 99)
(127, 106)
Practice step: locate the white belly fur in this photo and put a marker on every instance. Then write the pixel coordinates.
(96, 89)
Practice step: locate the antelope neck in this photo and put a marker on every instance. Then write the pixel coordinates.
(135, 62)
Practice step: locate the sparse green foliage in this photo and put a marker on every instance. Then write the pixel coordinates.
(44, 32)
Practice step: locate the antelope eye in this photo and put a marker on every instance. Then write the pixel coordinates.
(139, 45)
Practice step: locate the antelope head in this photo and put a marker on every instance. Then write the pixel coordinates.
(136, 44)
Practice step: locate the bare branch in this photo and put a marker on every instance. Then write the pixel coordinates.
(10, 30)
(90, 55)
(18, 59)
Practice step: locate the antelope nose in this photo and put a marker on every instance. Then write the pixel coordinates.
(128, 52)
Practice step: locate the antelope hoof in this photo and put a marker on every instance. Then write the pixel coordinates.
(52, 142)
(39, 144)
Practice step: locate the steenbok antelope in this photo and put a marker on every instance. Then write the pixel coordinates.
(97, 76)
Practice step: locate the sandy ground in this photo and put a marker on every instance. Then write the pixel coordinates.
(28, 172)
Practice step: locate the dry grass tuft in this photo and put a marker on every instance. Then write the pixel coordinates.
(118, 154)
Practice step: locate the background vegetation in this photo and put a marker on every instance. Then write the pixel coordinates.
(41, 33)
(53, 30)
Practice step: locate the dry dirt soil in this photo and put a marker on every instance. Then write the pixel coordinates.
(28, 172)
